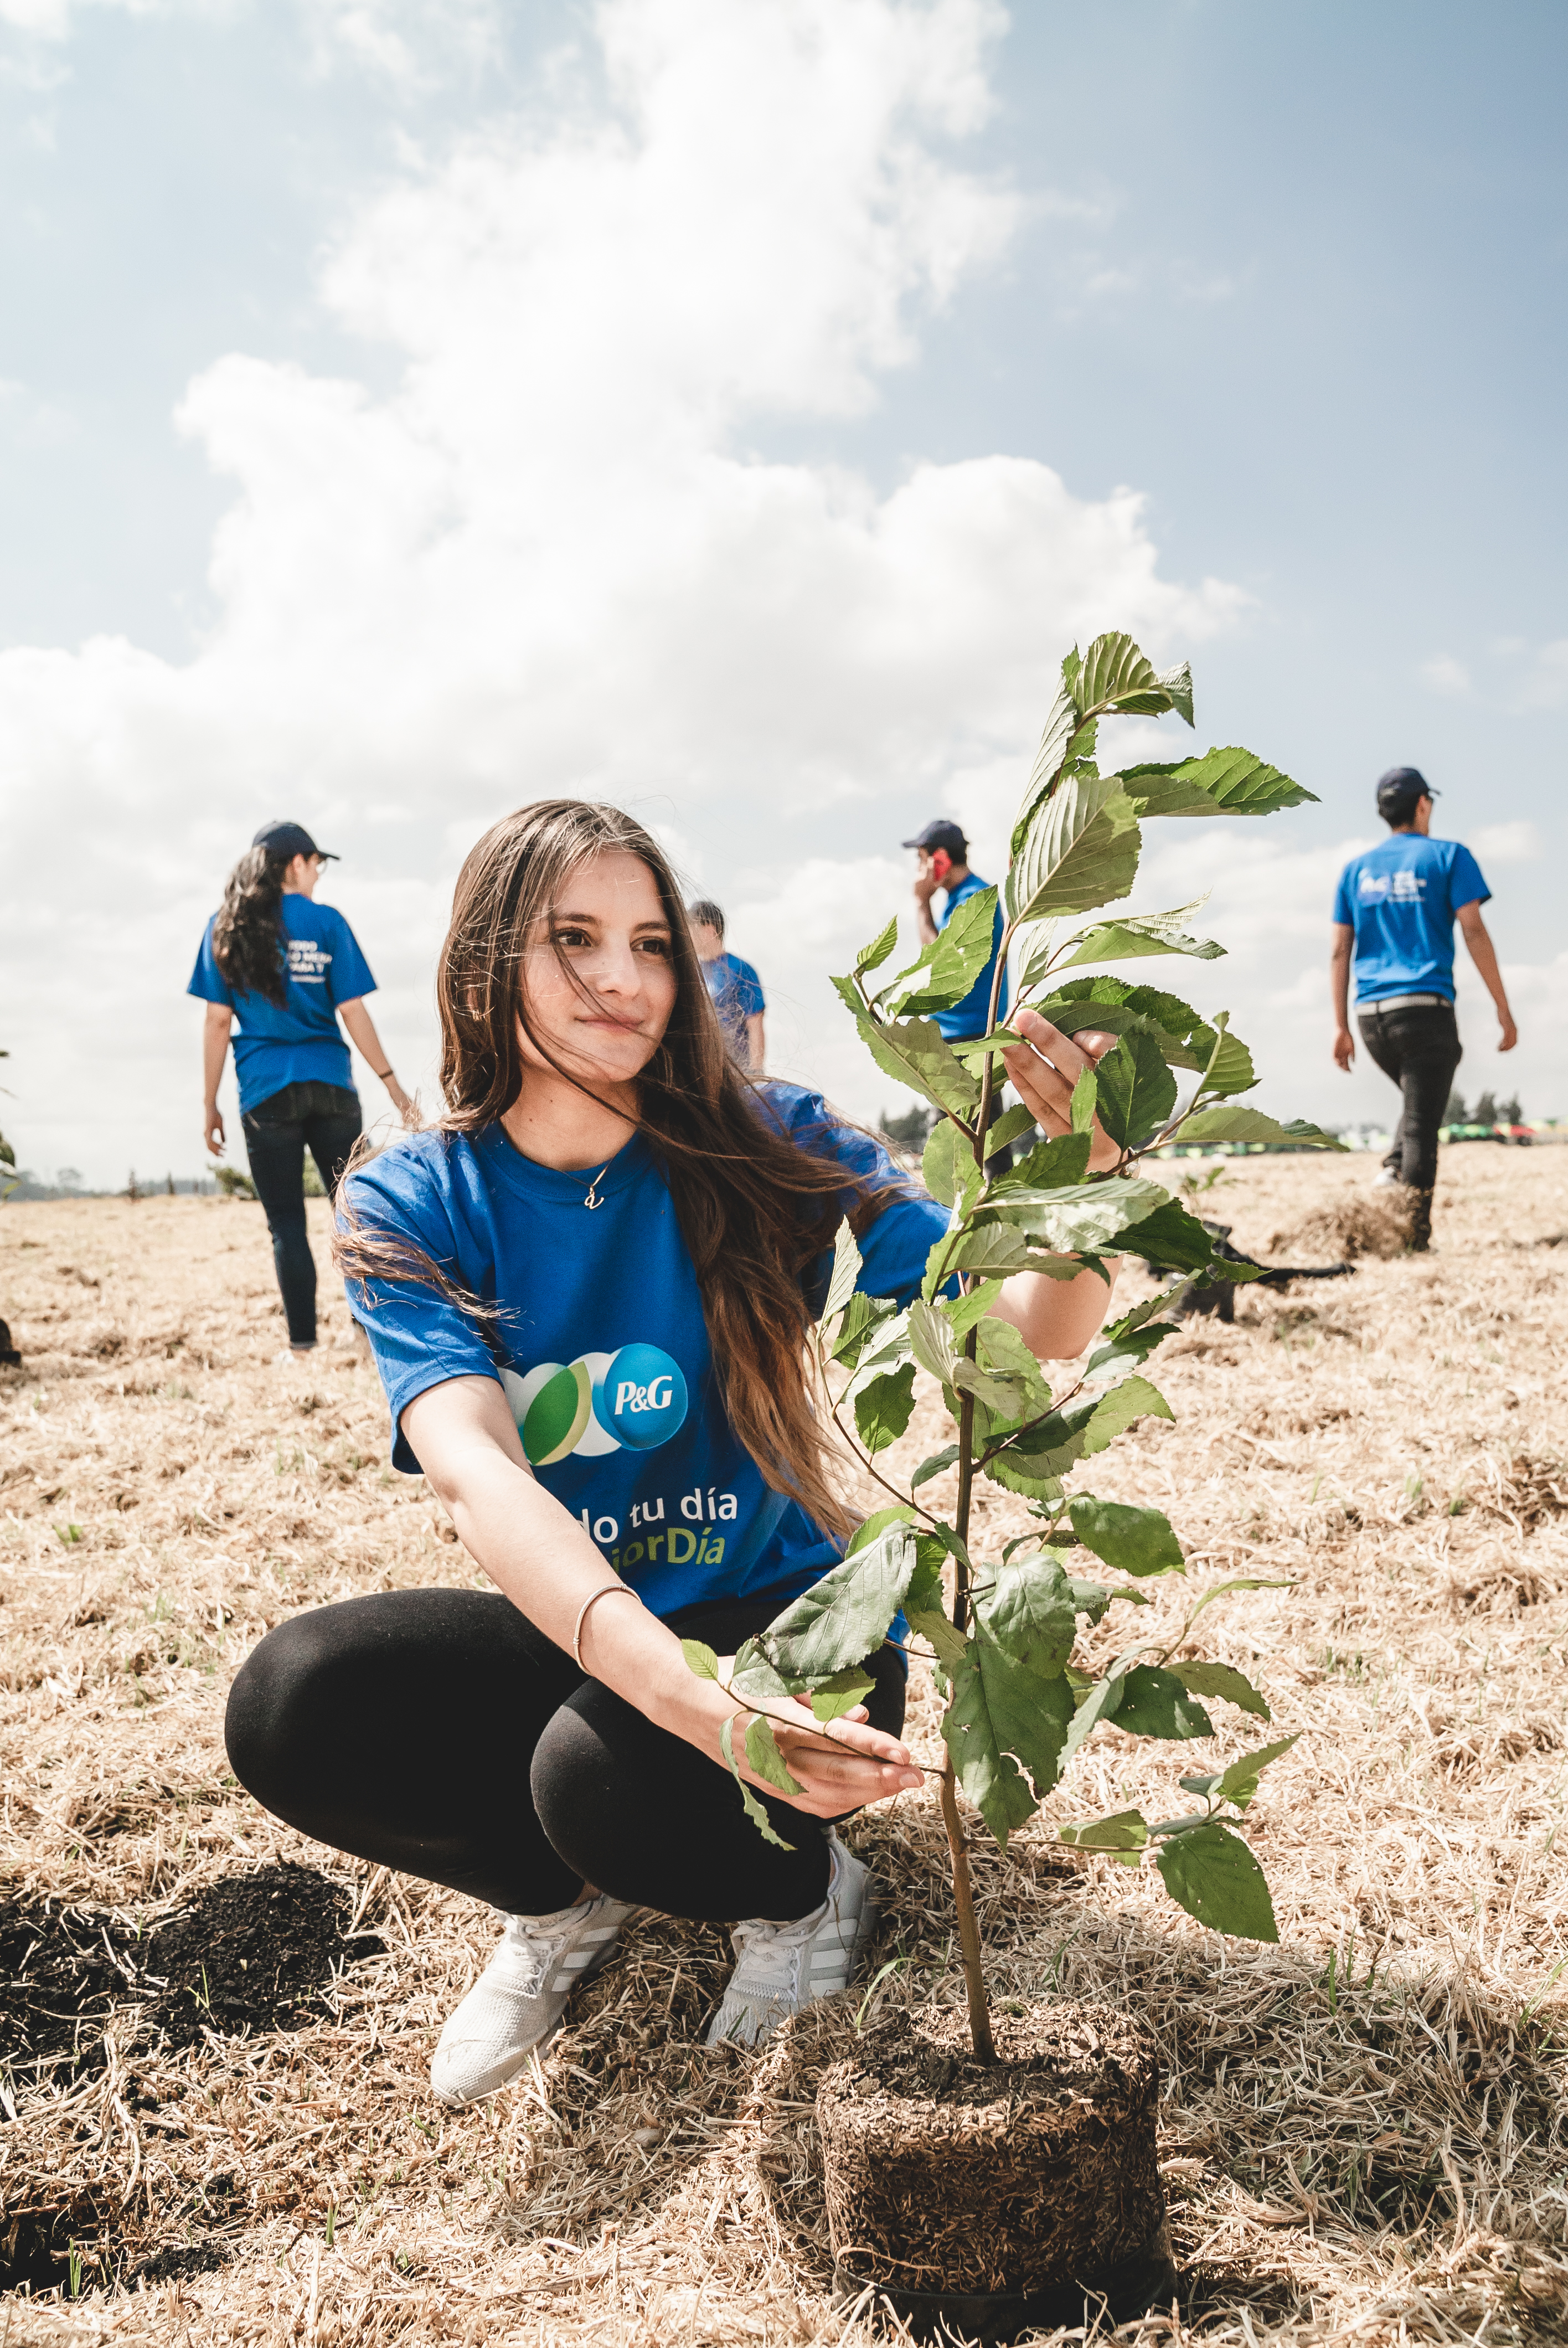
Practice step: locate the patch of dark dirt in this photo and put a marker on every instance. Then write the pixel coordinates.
(252, 1951)
(49, 2245)
(179, 2262)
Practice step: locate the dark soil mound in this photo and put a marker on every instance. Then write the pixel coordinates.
(250, 1952)
(61, 1971)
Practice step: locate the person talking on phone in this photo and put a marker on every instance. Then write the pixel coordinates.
(944, 855)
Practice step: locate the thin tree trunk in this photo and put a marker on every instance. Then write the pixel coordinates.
(969, 1928)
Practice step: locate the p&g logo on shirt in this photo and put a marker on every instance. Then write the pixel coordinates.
(635, 1400)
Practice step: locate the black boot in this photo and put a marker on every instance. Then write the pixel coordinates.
(1420, 1221)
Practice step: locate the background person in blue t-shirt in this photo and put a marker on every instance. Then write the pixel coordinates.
(277, 969)
(944, 854)
(736, 989)
(588, 1292)
(1394, 912)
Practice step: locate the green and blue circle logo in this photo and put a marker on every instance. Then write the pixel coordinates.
(634, 1400)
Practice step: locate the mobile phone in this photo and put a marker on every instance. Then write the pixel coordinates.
(941, 864)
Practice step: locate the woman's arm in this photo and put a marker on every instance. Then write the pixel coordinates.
(362, 1028)
(215, 1029)
(1056, 1318)
(538, 1555)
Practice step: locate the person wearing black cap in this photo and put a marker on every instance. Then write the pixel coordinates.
(282, 967)
(1394, 914)
(944, 854)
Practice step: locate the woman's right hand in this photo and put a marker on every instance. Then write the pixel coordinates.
(856, 1765)
(215, 1135)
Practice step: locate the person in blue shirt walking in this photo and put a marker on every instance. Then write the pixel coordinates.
(1394, 912)
(589, 1291)
(734, 984)
(944, 854)
(276, 969)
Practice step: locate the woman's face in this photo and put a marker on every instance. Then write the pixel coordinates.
(599, 981)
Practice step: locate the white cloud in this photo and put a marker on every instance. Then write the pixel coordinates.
(549, 560)
(1445, 676)
(1546, 685)
(1507, 843)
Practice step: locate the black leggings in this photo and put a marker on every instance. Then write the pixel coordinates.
(325, 1117)
(438, 1732)
(1421, 1049)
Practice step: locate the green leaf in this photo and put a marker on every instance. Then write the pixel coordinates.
(965, 1313)
(884, 1408)
(1211, 1873)
(1081, 851)
(1114, 1412)
(1075, 1219)
(946, 970)
(1124, 1830)
(844, 1617)
(873, 956)
(1099, 1704)
(1228, 1069)
(938, 1166)
(931, 1343)
(1127, 1352)
(914, 1052)
(863, 1316)
(841, 1693)
(1223, 782)
(1048, 1166)
(985, 1249)
(1178, 1241)
(1007, 1399)
(976, 1050)
(1002, 1347)
(1156, 1703)
(1130, 941)
(1136, 1091)
(845, 1272)
(924, 1607)
(700, 1659)
(1219, 1679)
(766, 1760)
(935, 1466)
(1115, 675)
(1062, 727)
(849, 993)
(1128, 1539)
(1176, 684)
(753, 1808)
(1027, 1610)
(1238, 1784)
(1008, 1126)
(1236, 1124)
(1084, 1104)
(877, 1524)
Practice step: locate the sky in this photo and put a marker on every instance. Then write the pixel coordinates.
(412, 407)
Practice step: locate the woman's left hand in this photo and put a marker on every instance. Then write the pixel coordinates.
(1043, 1070)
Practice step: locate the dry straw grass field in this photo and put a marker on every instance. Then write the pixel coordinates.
(216, 2119)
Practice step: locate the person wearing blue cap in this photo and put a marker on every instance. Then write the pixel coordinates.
(276, 968)
(1393, 916)
(944, 854)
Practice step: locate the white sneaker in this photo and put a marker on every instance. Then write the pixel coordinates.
(1386, 1180)
(780, 1968)
(518, 2000)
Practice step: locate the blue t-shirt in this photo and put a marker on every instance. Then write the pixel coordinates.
(1400, 900)
(969, 1017)
(737, 993)
(297, 1040)
(602, 1349)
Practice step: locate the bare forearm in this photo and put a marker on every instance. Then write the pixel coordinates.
(214, 1052)
(1485, 955)
(1339, 986)
(926, 928)
(757, 1041)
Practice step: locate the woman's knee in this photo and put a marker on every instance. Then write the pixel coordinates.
(281, 1705)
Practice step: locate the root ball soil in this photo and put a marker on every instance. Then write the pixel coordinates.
(945, 2175)
(1362, 2132)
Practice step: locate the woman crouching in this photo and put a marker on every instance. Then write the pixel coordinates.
(588, 1291)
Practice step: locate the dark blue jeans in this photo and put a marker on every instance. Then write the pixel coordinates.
(324, 1118)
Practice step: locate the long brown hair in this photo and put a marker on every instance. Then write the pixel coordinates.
(248, 929)
(755, 1208)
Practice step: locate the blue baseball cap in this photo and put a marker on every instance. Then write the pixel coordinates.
(1400, 791)
(942, 834)
(291, 839)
